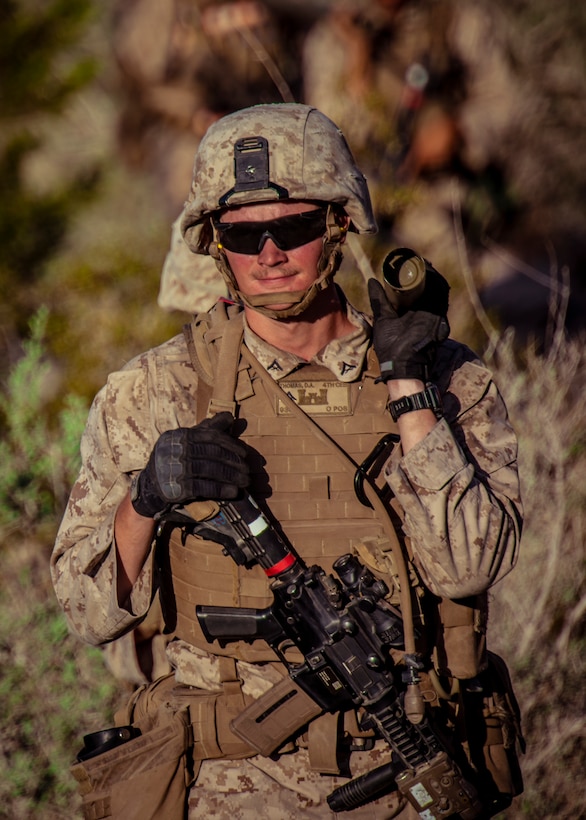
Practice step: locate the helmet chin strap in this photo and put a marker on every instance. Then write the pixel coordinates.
(298, 300)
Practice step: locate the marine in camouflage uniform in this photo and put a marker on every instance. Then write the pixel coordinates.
(454, 478)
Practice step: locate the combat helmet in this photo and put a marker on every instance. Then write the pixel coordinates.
(277, 151)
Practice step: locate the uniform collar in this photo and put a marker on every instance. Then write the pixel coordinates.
(343, 357)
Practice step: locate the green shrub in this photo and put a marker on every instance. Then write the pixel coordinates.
(53, 690)
(39, 455)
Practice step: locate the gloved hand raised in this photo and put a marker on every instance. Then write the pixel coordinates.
(189, 463)
(406, 344)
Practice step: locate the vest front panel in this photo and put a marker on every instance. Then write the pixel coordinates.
(301, 482)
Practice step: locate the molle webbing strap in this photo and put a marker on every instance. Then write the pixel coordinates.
(229, 679)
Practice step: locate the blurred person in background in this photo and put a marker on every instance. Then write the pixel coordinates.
(459, 117)
(182, 64)
(283, 391)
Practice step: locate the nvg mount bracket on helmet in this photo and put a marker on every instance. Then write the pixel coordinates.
(251, 169)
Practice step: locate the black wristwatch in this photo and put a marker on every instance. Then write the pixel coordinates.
(428, 399)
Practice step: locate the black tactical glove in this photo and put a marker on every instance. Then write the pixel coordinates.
(406, 344)
(190, 463)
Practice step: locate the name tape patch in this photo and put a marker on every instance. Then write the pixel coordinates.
(317, 398)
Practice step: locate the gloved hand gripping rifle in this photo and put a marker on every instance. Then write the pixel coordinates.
(344, 629)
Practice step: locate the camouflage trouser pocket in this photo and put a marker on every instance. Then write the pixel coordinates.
(145, 777)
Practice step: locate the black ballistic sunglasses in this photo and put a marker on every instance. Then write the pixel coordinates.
(287, 232)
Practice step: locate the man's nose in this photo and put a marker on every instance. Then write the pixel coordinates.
(270, 253)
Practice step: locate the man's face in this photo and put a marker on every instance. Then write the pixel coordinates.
(272, 269)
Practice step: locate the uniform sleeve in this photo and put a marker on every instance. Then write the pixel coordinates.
(155, 392)
(117, 441)
(459, 490)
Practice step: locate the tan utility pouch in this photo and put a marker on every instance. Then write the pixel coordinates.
(493, 737)
(149, 776)
(460, 650)
(146, 777)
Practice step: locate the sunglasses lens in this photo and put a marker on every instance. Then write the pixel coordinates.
(287, 233)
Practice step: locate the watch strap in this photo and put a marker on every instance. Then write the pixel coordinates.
(428, 399)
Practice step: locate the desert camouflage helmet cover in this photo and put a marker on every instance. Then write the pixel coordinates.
(274, 151)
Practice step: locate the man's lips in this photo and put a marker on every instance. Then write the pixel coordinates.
(276, 280)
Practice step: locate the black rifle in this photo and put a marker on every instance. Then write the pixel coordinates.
(344, 630)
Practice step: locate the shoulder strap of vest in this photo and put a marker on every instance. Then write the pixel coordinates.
(199, 352)
(227, 368)
(217, 372)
